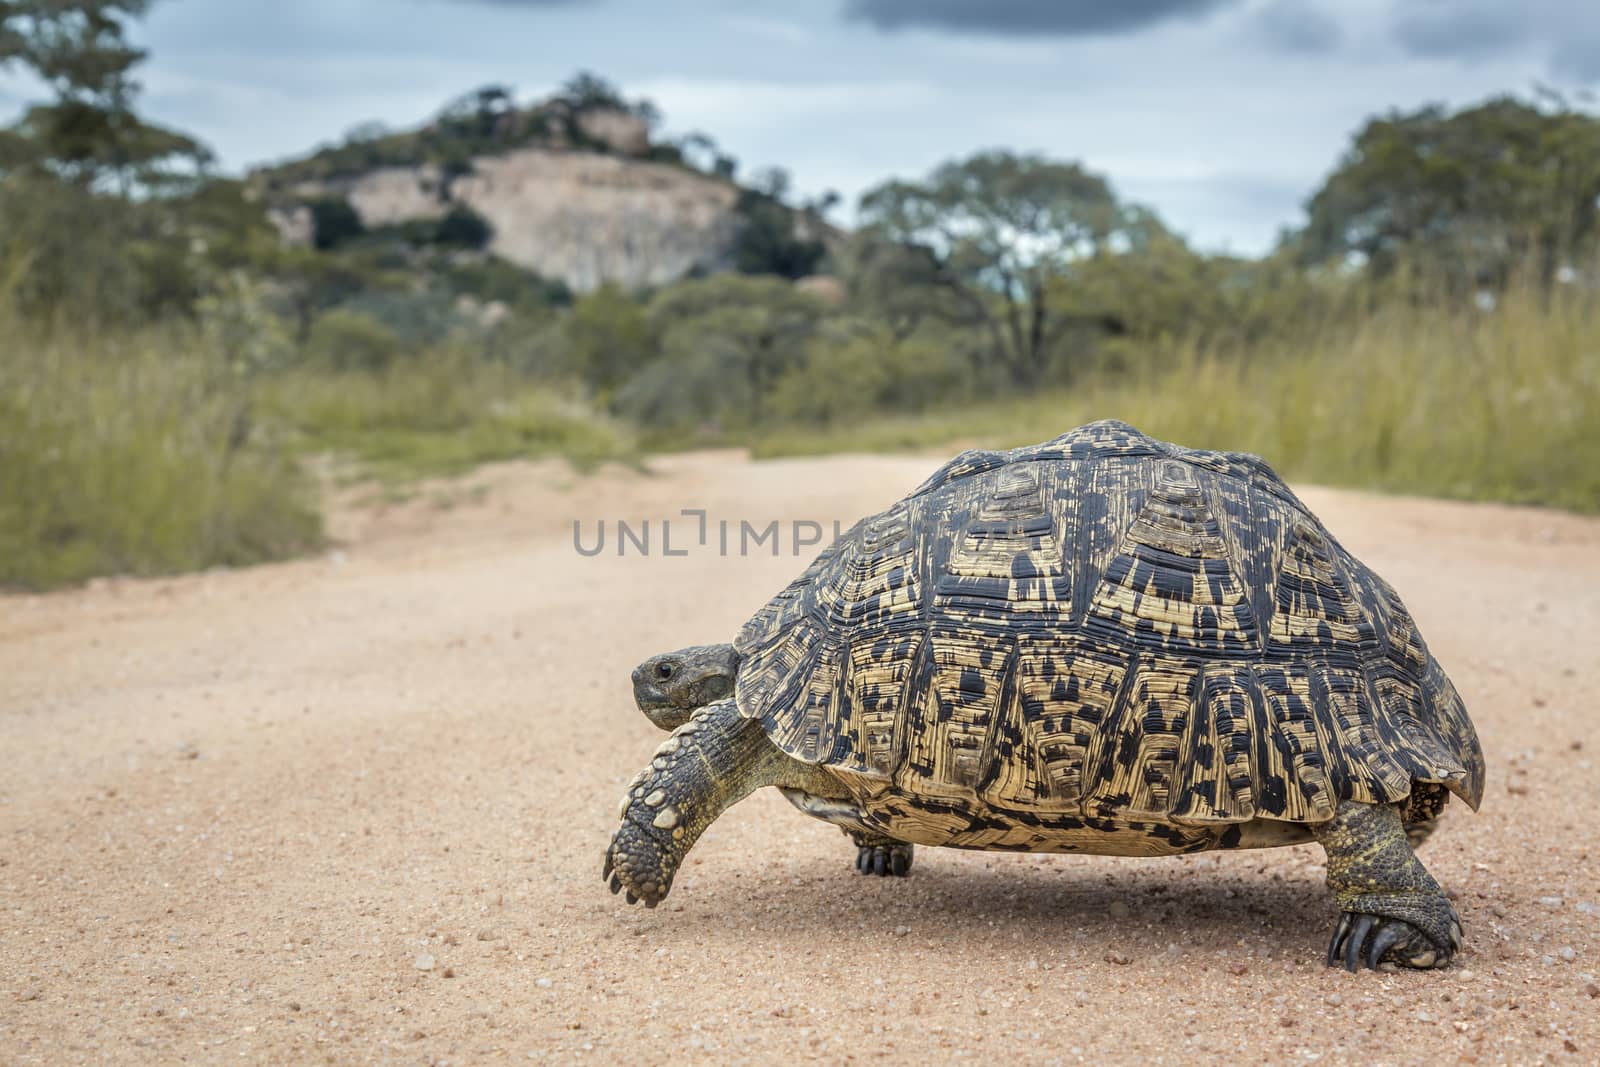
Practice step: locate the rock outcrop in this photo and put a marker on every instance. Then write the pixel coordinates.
(583, 210)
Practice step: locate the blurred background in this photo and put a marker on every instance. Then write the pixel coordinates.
(250, 252)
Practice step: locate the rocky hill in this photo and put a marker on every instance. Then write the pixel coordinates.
(576, 192)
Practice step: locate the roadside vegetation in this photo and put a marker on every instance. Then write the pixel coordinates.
(1427, 399)
(169, 364)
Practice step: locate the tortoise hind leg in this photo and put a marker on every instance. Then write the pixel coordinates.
(876, 853)
(880, 855)
(1390, 907)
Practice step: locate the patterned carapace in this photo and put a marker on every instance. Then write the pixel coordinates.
(1103, 634)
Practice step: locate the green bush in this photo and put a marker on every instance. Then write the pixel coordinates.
(856, 369)
(344, 339)
(333, 222)
(462, 228)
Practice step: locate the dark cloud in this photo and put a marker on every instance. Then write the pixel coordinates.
(1062, 18)
(1461, 28)
(1566, 31)
(1296, 26)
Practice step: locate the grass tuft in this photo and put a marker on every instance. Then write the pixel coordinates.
(135, 454)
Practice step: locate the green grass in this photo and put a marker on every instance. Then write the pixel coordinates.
(437, 415)
(1501, 405)
(145, 453)
(135, 455)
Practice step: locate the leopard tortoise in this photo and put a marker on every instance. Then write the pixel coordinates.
(1101, 644)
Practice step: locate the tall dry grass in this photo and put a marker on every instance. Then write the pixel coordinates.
(1436, 397)
(135, 453)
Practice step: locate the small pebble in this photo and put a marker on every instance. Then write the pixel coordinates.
(487, 934)
(1117, 958)
(1593, 990)
(1550, 902)
(1567, 953)
(1334, 999)
(543, 983)
(424, 962)
(1238, 968)
(901, 931)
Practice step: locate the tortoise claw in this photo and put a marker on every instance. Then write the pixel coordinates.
(1341, 929)
(892, 858)
(1358, 937)
(616, 884)
(1387, 937)
(1362, 939)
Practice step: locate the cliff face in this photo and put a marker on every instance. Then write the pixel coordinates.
(588, 219)
(581, 216)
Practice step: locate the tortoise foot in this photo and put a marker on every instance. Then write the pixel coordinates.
(1363, 938)
(639, 867)
(890, 858)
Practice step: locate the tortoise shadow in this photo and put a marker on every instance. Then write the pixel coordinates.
(1208, 906)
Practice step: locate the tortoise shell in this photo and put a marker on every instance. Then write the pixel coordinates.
(1105, 626)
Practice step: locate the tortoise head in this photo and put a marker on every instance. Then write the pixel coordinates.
(670, 687)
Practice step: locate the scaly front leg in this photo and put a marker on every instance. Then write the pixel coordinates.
(716, 758)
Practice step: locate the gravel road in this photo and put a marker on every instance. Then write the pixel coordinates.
(353, 810)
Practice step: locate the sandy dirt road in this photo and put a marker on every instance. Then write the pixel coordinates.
(353, 810)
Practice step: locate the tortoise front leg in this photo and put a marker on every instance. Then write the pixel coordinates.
(1390, 906)
(715, 759)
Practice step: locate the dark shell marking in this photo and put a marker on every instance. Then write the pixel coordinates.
(1105, 643)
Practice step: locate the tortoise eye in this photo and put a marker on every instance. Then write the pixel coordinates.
(664, 671)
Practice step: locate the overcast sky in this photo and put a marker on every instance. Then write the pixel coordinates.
(1223, 115)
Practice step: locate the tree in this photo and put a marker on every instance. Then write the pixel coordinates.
(1469, 195)
(478, 113)
(586, 89)
(996, 229)
(333, 222)
(88, 133)
(770, 240)
(463, 228)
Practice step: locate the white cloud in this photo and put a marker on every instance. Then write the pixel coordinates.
(1215, 123)
(771, 29)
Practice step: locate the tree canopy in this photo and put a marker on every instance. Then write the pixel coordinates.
(88, 132)
(995, 229)
(1470, 194)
